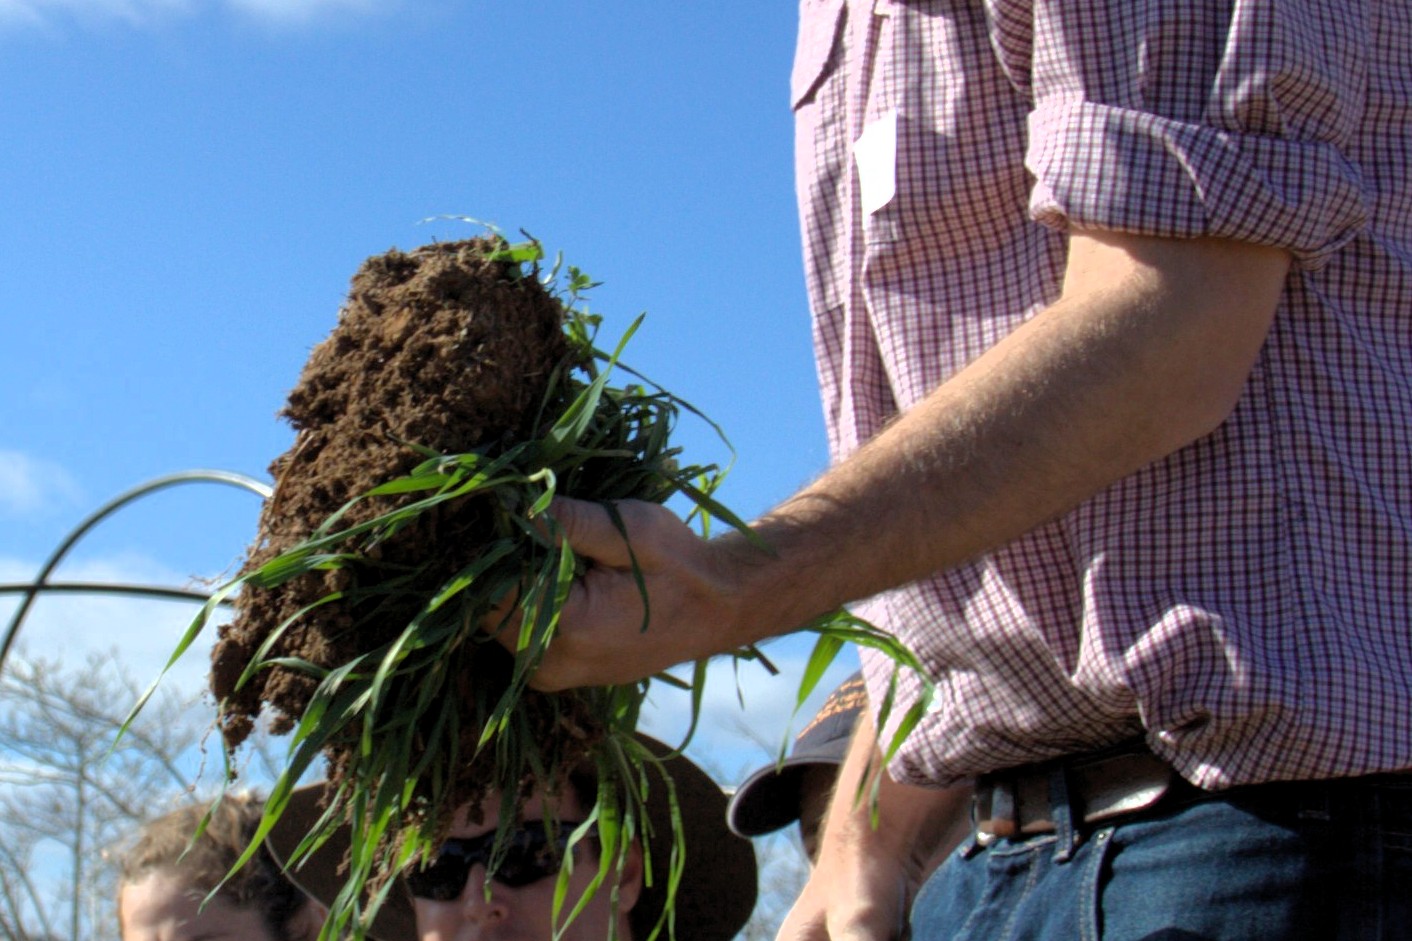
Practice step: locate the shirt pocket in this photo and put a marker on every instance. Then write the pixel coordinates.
(819, 22)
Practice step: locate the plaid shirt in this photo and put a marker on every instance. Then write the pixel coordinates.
(1243, 602)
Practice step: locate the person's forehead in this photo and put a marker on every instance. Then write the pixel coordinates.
(162, 904)
(160, 890)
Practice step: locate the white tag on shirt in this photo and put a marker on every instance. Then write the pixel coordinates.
(875, 153)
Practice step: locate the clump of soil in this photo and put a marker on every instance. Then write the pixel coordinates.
(443, 347)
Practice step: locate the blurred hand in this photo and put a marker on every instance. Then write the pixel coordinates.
(867, 876)
(860, 895)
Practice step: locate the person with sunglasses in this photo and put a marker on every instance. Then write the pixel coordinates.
(459, 897)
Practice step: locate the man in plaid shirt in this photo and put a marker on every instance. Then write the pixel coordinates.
(1112, 304)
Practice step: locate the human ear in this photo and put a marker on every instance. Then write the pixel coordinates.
(630, 878)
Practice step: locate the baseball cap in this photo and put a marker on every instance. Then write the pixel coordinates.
(770, 798)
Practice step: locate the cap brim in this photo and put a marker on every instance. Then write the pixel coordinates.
(769, 799)
(714, 897)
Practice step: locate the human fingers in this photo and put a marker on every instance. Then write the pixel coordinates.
(645, 567)
(588, 529)
(843, 919)
(838, 915)
(607, 533)
(604, 607)
(600, 639)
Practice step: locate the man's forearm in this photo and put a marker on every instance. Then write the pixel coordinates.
(1146, 351)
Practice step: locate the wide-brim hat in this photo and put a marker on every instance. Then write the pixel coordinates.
(714, 897)
(771, 797)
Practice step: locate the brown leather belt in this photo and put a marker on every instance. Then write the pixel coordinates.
(1100, 785)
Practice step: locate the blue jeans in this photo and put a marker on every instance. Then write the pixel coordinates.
(1326, 861)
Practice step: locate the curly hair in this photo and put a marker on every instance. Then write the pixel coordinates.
(165, 846)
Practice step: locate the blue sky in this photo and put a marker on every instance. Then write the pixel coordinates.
(189, 185)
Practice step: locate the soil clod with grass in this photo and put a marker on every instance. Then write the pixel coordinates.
(446, 348)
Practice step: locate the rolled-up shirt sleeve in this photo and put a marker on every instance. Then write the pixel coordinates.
(1194, 118)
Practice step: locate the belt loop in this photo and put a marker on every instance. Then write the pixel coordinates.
(1004, 809)
(978, 840)
(1063, 813)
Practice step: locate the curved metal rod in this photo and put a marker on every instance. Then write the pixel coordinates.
(40, 583)
(161, 592)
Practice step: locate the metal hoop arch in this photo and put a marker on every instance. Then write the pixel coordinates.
(41, 583)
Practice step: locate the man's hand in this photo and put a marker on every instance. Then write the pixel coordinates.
(688, 585)
(866, 877)
(850, 897)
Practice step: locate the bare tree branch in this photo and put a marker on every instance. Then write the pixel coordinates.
(68, 793)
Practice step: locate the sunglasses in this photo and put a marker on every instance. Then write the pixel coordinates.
(532, 852)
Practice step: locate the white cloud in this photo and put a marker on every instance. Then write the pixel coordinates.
(49, 15)
(29, 485)
(142, 630)
(301, 11)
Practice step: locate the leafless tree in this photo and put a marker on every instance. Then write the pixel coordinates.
(69, 795)
(783, 865)
(783, 872)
